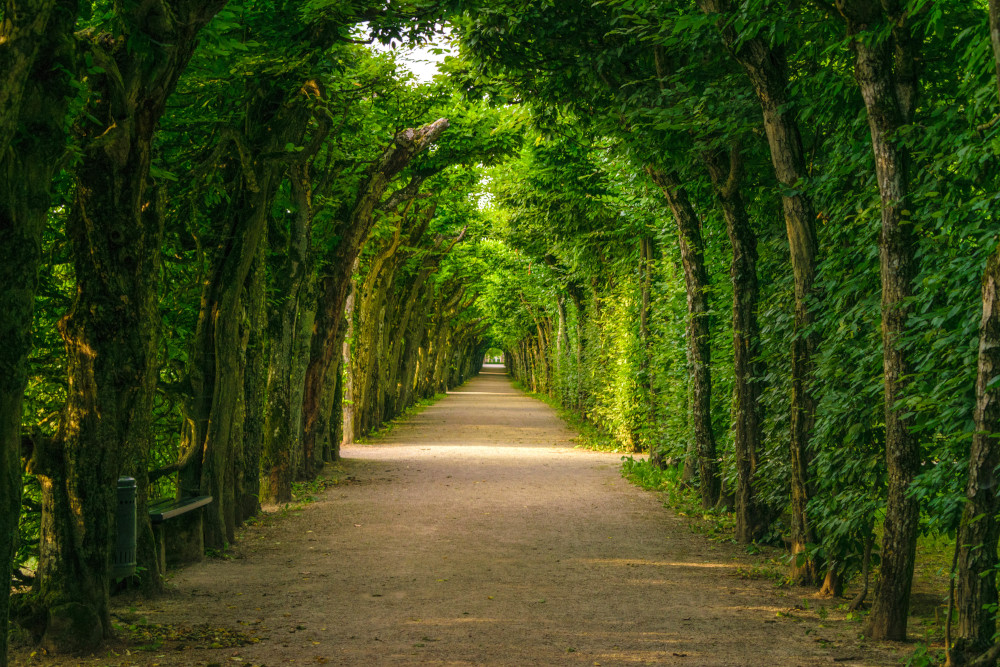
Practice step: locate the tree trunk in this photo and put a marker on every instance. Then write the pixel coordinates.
(214, 362)
(698, 330)
(767, 70)
(348, 393)
(331, 452)
(29, 29)
(254, 387)
(353, 232)
(889, 100)
(311, 460)
(576, 294)
(976, 586)
(36, 56)
(216, 383)
(562, 351)
(281, 435)
(414, 343)
(726, 174)
(112, 329)
(367, 357)
(976, 589)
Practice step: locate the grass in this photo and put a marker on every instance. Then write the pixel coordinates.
(590, 436)
(928, 605)
(409, 412)
(928, 602)
(715, 523)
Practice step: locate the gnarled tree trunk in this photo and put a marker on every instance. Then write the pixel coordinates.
(327, 339)
(37, 53)
(281, 435)
(111, 332)
(215, 373)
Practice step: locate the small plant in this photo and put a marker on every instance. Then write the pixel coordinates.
(925, 656)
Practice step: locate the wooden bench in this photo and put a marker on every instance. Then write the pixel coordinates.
(177, 530)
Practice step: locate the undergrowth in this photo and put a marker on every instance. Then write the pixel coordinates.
(590, 436)
(716, 523)
(386, 428)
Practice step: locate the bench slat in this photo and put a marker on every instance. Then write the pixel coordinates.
(168, 509)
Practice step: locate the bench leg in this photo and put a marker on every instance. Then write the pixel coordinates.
(160, 547)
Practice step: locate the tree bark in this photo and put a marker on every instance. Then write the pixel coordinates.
(25, 33)
(215, 361)
(111, 332)
(976, 595)
(353, 232)
(726, 175)
(348, 392)
(311, 460)
(976, 587)
(254, 388)
(367, 349)
(889, 98)
(698, 330)
(767, 70)
(37, 52)
(281, 435)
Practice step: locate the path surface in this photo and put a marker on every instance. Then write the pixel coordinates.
(476, 534)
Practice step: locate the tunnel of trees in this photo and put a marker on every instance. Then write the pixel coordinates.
(755, 240)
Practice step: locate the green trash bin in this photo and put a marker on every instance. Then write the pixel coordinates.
(123, 556)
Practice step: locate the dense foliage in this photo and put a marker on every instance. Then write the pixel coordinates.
(755, 241)
(682, 154)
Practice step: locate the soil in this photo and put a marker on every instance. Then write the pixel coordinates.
(476, 533)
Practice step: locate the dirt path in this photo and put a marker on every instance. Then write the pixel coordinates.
(476, 534)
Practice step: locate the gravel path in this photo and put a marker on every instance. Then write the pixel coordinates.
(475, 534)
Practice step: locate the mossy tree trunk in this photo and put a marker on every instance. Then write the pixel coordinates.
(334, 286)
(348, 394)
(111, 332)
(367, 348)
(215, 362)
(254, 388)
(37, 55)
(281, 434)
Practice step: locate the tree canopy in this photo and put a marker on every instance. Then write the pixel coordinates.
(755, 242)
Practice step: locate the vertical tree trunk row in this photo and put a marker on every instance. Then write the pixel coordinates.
(111, 332)
(767, 70)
